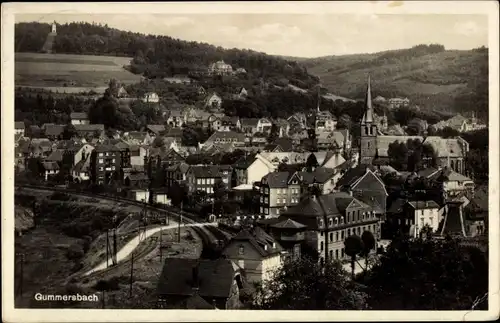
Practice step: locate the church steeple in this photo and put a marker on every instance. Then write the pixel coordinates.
(368, 115)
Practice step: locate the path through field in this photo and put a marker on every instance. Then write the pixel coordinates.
(127, 249)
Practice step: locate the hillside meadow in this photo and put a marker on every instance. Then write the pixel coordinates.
(430, 76)
(71, 73)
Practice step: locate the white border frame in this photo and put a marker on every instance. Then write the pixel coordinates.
(488, 8)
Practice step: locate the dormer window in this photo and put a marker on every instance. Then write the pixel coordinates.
(241, 250)
(330, 222)
(341, 220)
(336, 221)
(320, 222)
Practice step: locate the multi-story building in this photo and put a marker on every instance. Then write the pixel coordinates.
(105, 164)
(325, 121)
(220, 68)
(176, 173)
(150, 97)
(410, 217)
(398, 102)
(330, 219)
(280, 190)
(255, 252)
(203, 178)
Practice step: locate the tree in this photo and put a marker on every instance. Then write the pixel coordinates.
(429, 275)
(220, 190)
(178, 194)
(398, 155)
(303, 284)
(273, 134)
(344, 122)
(69, 132)
(353, 246)
(368, 245)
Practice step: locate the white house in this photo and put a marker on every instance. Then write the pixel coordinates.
(141, 195)
(151, 97)
(425, 213)
(256, 252)
(19, 128)
(252, 169)
(213, 101)
(79, 118)
(50, 169)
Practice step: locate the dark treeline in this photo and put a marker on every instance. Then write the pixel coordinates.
(158, 55)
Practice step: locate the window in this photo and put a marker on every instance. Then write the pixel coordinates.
(336, 254)
(101, 154)
(330, 222)
(101, 168)
(341, 220)
(348, 232)
(320, 223)
(336, 221)
(337, 236)
(359, 231)
(278, 201)
(331, 236)
(113, 161)
(277, 211)
(322, 245)
(321, 233)
(342, 234)
(279, 190)
(342, 252)
(422, 212)
(331, 254)
(241, 250)
(198, 181)
(101, 161)
(430, 221)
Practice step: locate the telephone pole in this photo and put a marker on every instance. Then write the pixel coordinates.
(21, 276)
(131, 275)
(179, 224)
(161, 247)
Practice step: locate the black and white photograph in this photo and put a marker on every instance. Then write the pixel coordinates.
(203, 157)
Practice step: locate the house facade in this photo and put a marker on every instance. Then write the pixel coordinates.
(105, 164)
(79, 118)
(150, 97)
(330, 219)
(19, 128)
(256, 253)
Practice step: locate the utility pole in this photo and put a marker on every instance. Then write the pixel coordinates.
(179, 224)
(21, 276)
(131, 275)
(114, 247)
(161, 240)
(107, 249)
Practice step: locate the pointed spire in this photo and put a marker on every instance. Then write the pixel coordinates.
(368, 115)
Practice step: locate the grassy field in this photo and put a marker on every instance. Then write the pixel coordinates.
(432, 80)
(71, 73)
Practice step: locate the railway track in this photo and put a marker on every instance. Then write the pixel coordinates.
(211, 237)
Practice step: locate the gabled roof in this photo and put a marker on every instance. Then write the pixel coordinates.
(333, 204)
(277, 179)
(288, 224)
(263, 243)
(19, 125)
(227, 136)
(208, 171)
(215, 277)
(56, 156)
(54, 129)
(78, 116)
(249, 122)
(362, 178)
(421, 205)
(105, 148)
(82, 166)
(89, 127)
(245, 161)
(50, 165)
(156, 128)
(450, 175)
(320, 175)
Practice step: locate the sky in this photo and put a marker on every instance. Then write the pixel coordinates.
(300, 35)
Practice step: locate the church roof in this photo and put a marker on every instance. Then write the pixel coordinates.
(368, 116)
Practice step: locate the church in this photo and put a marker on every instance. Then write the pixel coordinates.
(374, 145)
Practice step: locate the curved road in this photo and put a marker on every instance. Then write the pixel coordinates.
(127, 249)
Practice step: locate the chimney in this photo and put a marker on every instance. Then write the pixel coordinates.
(274, 245)
(265, 247)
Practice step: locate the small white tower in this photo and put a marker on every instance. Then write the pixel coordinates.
(54, 28)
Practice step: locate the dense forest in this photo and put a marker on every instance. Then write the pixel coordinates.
(154, 55)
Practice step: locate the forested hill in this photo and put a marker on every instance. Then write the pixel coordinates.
(155, 55)
(429, 75)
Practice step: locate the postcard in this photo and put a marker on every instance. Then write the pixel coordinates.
(250, 161)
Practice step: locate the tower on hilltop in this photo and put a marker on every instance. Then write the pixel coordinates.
(368, 141)
(54, 30)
